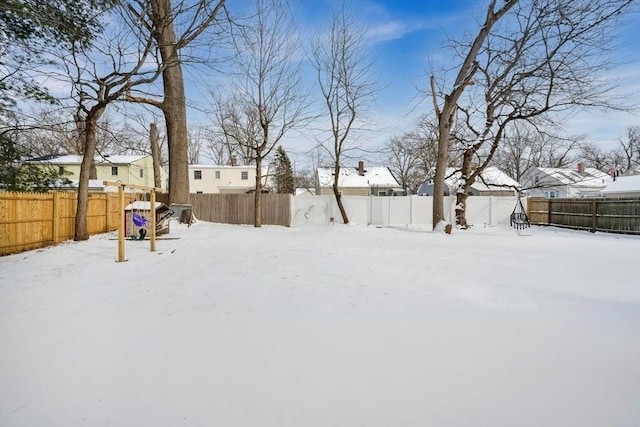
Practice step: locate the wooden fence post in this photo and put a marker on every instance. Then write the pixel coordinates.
(594, 215)
(152, 213)
(121, 225)
(56, 214)
(108, 206)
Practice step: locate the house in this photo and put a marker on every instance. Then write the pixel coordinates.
(226, 179)
(358, 181)
(128, 169)
(491, 182)
(623, 186)
(575, 182)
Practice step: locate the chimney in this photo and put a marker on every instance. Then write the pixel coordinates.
(234, 161)
(581, 168)
(361, 168)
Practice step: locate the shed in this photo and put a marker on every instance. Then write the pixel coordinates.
(143, 209)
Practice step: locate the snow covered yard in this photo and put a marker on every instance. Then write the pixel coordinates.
(324, 326)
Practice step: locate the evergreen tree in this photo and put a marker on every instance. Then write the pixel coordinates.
(15, 175)
(283, 172)
(28, 28)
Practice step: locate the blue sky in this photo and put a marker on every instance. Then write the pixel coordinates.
(408, 40)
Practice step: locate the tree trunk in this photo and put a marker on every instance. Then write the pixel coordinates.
(155, 155)
(463, 193)
(445, 115)
(336, 192)
(257, 214)
(441, 167)
(81, 231)
(174, 104)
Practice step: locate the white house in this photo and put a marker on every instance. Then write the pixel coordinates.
(358, 181)
(128, 169)
(623, 186)
(491, 182)
(226, 179)
(566, 183)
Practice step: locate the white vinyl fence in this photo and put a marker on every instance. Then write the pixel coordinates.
(397, 211)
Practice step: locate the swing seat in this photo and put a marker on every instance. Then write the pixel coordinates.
(519, 218)
(141, 236)
(139, 220)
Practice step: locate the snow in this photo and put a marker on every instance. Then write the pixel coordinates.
(119, 159)
(624, 184)
(350, 178)
(324, 326)
(590, 178)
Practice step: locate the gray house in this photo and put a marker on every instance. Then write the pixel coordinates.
(623, 186)
(492, 182)
(554, 183)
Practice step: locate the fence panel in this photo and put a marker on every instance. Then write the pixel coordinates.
(239, 208)
(538, 210)
(572, 213)
(35, 220)
(622, 215)
(609, 215)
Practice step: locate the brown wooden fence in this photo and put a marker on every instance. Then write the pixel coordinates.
(35, 220)
(238, 208)
(609, 215)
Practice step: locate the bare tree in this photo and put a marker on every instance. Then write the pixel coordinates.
(544, 59)
(267, 101)
(161, 18)
(628, 153)
(446, 113)
(412, 156)
(343, 70)
(101, 75)
(526, 147)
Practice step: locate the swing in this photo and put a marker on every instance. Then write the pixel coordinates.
(141, 222)
(519, 218)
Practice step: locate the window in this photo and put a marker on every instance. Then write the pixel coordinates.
(141, 173)
(245, 175)
(551, 194)
(114, 170)
(198, 192)
(197, 174)
(217, 174)
(60, 170)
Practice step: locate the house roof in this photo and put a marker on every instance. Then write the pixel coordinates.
(493, 179)
(591, 177)
(350, 178)
(623, 184)
(116, 159)
(201, 166)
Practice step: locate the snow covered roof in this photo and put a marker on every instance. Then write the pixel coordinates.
(591, 177)
(350, 178)
(623, 184)
(142, 205)
(492, 179)
(202, 166)
(77, 159)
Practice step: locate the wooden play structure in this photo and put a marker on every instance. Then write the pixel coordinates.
(121, 224)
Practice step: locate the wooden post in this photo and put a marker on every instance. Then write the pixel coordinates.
(107, 223)
(121, 225)
(594, 213)
(56, 218)
(152, 213)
